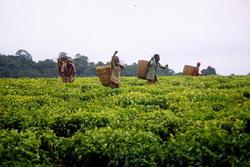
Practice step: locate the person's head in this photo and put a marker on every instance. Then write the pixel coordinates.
(116, 60)
(198, 64)
(69, 61)
(157, 57)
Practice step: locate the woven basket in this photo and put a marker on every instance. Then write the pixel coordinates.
(142, 69)
(188, 70)
(104, 73)
(60, 62)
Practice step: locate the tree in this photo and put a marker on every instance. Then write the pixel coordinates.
(99, 63)
(24, 53)
(82, 65)
(22, 65)
(46, 68)
(166, 72)
(179, 73)
(130, 70)
(209, 71)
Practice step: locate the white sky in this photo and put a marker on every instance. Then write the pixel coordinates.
(214, 32)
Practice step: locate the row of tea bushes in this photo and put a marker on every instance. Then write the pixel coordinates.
(181, 121)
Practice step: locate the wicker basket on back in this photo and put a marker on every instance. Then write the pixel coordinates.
(60, 61)
(188, 70)
(104, 73)
(142, 69)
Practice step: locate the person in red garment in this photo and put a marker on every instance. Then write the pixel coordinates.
(68, 71)
(196, 70)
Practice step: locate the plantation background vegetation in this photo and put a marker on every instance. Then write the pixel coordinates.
(22, 65)
(180, 121)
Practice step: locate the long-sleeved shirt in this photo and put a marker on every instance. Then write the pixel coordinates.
(153, 65)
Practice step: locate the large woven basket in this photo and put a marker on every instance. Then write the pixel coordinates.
(188, 70)
(59, 64)
(142, 69)
(104, 73)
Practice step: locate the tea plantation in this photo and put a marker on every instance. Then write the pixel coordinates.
(180, 121)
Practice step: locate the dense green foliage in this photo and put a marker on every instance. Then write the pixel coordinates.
(180, 121)
(23, 66)
(208, 71)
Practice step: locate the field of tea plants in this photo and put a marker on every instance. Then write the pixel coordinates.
(180, 121)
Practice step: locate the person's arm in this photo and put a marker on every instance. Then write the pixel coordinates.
(151, 62)
(62, 71)
(112, 60)
(122, 66)
(163, 67)
(115, 53)
(62, 68)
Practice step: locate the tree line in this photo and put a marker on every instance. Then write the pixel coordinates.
(22, 65)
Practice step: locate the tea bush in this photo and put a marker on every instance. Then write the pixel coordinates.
(180, 121)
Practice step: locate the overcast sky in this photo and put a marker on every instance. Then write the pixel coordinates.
(213, 32)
